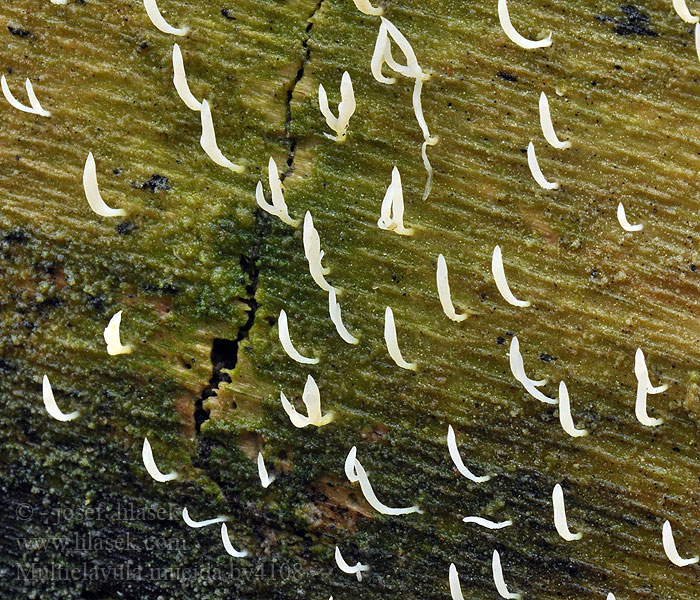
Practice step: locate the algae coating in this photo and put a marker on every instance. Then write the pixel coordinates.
(201, 275)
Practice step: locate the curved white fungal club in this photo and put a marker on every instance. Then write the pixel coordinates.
(59, 1)
(228, 546)
(34, 107)
(392, 343)
(610, 596)
(158, 20)
(536, 171)
(112, 339)
(455, 588)
(391, 214)
(208, 141)
(622, 218)
(518, 369)
(150, 464)
(180, 81)
(697, 39)
(548, 126)
(644, 387)
(682, 10)
(670, 549)
(365, 7)
(443, 286)
(311, 397)
(92, 191)
(278, 208)
(499, 276)
(357, 569)
(486, 523)
(198, 524)
(346, 108)
(381, 55)
(356, 473)
(52, 407)
(312, 251)
(334, 310)
(265, 479)
(457, 459)
(560, 516)
(513, 35)
(498, 578)
(283, 331)
(565, 418)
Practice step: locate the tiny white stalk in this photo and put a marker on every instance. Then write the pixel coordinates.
(518, 369)
(513, 34)
(536, 171)
(346, 108)
(365, 7)
(644, 387)
(560, 516)
(624, 223)
(228, 546)
(501, 587)
(391, 214)
(334, 310)
(150, 464)
(457, 459)
(312, 251)
(311, 397)
(455, 588)
(112, 337)
(547, 125)
(34, 107)
(283, 331)
(684, 13)
(486, 523)
(265, 479)
(443, 286)
(670, 548)
(180, 81)
(160, 23)
(392, 343)
(92, 191)
(499, 276)
(208, 141)
(357, 569)
(197, 524)
(278, 207)
(52, 407)
(565, 418)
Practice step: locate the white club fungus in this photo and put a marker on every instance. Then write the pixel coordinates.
(198, 524)
(158, 20)
(34, 106)
(622, 218)
(334, 310)
(392, 343)
(283, 331)
(92, 191)
(355, 472)
(228, 546)
(150, 464)
(278, 208)
(365, 7)
(536, 171)
(610, 596)
(498, 578)
(457, 459)
(560, 516)
(499, 276)
(356, 569)
(443, 286)
(565, 418)
(548, 126)
(180, 81)
(51, 406)
(697, 39)
(518, 369)
(683, 12)
(112, 339)
(486, 523)
(311, 397)
(670, 549)
(265, 479)
(346, 108)
(382, 54)
(312, 251)
(513, 35)
(208, 141)
(59, 1)
(391, 213)
(644, 387)
(455, 588)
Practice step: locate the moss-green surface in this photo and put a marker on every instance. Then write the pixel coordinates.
(198, 262)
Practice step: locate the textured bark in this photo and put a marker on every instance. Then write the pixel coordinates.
(201, 275)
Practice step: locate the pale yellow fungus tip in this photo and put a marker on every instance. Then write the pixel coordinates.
(112, 339)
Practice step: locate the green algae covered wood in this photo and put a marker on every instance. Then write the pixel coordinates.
(201, 275)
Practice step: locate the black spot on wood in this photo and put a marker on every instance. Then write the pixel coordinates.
(126, 228)
(507, 76)
(634, 22)
(227, 13)
(547, 358)
(156, 183)
(19, 32)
